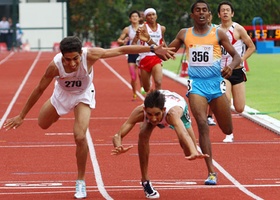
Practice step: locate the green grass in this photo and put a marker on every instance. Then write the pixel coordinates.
(262, 86)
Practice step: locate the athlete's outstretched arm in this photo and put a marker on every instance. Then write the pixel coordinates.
(45, 81)
(136, 116)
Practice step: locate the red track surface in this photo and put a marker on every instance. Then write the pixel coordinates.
(40, 164)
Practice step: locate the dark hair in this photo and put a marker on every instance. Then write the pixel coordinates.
(199, 1)
(154, 99)
(70, 44)
(134, 11)
(225, 3)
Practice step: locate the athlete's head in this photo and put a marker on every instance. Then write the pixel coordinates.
(134, 12)
(70, 44)
(154, 99)
(227, 3)
(154, 107)
(197, 2)
(149, 11)
(134, 16)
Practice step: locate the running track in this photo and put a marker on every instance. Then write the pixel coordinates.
(40, 164)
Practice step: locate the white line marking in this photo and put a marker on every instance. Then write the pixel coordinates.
(121, 78)
(96, 168)
(33, 184)
(6, 58)
(72, 118)
(38, 146)
(3, 119)
(233, 180)
(55, 134)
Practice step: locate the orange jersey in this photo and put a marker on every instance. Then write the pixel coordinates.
(203, 53)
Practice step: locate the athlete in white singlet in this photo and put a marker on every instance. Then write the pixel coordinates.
(73, 71)
(126, 38)
(235, 84)
(161, 108)
(72, 88)
(150, 65)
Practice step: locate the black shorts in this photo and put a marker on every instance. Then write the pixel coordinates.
(132, 58)
(238, 76)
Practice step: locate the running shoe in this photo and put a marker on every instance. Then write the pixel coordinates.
(143, 92)
(211, 121)
(229, 138)
(150, 192)
(80, 189)
(212, 179)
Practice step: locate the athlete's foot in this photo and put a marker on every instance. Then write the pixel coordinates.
(134, 98)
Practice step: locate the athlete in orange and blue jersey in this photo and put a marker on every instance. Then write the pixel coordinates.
(204, 56)
(206, 76)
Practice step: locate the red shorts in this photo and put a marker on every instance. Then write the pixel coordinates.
(149, 62)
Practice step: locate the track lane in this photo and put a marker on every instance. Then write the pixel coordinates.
(254, 151)
(249, 134)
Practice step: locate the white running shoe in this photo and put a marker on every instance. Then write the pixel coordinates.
(211, 121)
(81, 192)
(229, 138)
(150, 192)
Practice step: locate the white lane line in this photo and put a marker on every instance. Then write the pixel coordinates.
(233, 180)
(121, 78)
(58, 134)
(96, 169)
(3, 119)
(129, 187)
(6, 58)
(72, 118)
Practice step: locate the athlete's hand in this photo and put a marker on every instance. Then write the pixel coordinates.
(197, 156)
(165, 53)
(120, 149)
(142, 34)
(226, 72)
(13, 123)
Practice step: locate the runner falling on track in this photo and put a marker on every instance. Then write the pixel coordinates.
(74, 90)
(206, 84)
(161, 108)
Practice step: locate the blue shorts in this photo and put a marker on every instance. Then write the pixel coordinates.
(208, 88)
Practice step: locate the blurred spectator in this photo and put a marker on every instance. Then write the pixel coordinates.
(19, 35)
(4, 30)
(10, 34)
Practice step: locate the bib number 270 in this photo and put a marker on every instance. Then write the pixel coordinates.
(73, 83)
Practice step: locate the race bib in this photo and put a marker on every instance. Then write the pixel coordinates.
(201, 55)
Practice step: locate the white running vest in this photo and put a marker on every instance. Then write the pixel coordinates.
(171, 99)
(75, 82)
(237, 44)
(156, 37)
(131, 35)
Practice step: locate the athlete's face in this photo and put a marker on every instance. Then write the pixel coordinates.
(225, 12)
(154, 115)
(200, 13)
(151, 18)
(71, 61)
(134, 18)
